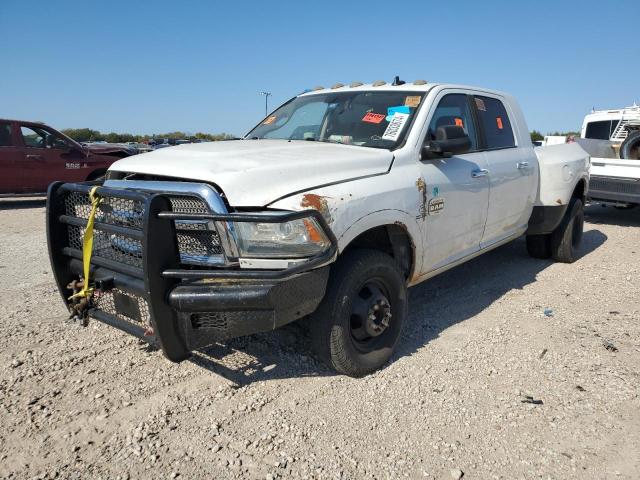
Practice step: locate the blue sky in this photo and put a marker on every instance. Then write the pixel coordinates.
(145, 67)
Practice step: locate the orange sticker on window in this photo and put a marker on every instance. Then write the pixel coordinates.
(269, 120)
(373, 117)
(412, 101)
(499, 122)
(459, 122)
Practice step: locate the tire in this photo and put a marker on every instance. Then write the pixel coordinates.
(539, 246)
(630, 148)
(342, 332)
(566, 238)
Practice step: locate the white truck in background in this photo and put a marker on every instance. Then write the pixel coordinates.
(554, 140)
(331, 207)
(612, 138)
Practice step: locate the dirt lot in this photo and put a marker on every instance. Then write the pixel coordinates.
(485, 385)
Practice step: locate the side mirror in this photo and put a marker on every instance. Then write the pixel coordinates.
(450, 140)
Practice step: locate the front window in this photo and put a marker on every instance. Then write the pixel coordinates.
(365, 118)
(36, 137)
(454, 109)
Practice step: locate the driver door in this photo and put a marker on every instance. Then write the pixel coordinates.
(47, 158)
(456, 195)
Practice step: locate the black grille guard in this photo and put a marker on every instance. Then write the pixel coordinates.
(159, 270)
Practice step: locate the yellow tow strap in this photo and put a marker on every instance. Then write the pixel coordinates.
(87, 245)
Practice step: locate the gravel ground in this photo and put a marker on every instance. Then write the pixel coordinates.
(485, 384)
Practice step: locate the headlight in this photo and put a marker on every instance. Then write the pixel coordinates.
(293, 239)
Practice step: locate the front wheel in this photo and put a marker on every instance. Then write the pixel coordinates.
(356, 327)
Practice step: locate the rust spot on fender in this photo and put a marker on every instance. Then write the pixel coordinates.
(422, 188)
(317, 202)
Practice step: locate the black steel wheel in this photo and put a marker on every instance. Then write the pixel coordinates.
(356, 327)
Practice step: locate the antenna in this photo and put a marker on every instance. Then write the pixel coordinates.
(266, 102)
(397, 81)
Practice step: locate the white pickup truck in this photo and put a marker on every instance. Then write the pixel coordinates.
(612, 139)
(330, 208)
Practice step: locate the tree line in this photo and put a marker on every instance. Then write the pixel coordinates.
(89, 135)
(536, 135)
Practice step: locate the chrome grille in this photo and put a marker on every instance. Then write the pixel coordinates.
(119, 248)
(112, 211)
(186, 204)
(198, 241)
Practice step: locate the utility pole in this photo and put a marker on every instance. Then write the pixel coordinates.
(266, 102)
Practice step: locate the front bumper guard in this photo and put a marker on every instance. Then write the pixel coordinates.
(187, 308)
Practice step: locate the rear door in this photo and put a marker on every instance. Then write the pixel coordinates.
(11, 159)
(455, 189)
(512, 170)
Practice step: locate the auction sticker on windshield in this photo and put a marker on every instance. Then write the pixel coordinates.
(373, 117)
(394, 129)
(412, 101)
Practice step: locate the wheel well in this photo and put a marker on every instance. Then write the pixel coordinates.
(394, 240)
(578, 192)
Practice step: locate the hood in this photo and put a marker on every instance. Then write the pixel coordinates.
(258, 172)
(101, 148)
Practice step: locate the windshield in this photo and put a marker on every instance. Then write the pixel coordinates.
(365, 118)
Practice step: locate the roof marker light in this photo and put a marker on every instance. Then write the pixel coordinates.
(319, 87)
(379, 83)
(355, 84)
(337, 85)
(420, 82)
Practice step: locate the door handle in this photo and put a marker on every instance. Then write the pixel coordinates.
(482, 172)
(34, 157)
(522, 165)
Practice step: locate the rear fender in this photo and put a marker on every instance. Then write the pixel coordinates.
(562, 167)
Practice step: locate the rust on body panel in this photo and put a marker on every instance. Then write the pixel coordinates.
(317, 202)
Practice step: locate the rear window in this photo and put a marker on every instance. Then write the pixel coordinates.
(495, 123)
(5, 135)
(601, 130)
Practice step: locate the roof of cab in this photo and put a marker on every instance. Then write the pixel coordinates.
(30, 122)
(385, 86)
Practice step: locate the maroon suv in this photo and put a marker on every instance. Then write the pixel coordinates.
(32, 155)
